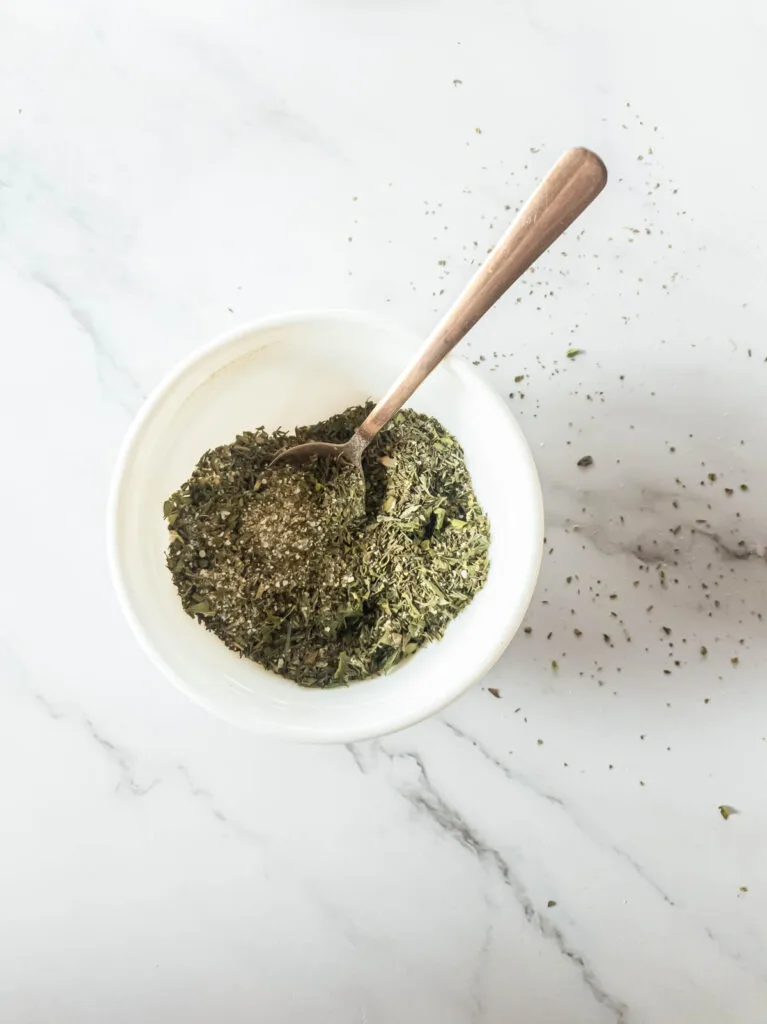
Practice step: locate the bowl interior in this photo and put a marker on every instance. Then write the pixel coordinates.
(287, 372)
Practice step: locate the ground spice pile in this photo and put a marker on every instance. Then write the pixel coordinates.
(316, 573)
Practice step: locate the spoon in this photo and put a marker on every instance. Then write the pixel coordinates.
(573, 182)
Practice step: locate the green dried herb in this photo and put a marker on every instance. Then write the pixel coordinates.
(725, 810)
(316, 573)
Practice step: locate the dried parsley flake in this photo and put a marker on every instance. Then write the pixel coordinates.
(317, 574)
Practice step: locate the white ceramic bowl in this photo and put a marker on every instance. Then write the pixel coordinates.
(287, 371)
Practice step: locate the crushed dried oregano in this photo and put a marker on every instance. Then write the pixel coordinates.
(316, 573)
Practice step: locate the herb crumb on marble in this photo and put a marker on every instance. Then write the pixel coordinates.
(726, 811)
(585, 461)
(495, 691)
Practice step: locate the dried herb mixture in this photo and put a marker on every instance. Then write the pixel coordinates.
(316, 573)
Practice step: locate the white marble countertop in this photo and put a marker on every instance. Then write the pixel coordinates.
(555, 854)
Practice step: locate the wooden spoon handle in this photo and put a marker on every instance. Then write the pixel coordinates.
(575, 180)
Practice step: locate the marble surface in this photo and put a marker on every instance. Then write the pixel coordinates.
(170, 169)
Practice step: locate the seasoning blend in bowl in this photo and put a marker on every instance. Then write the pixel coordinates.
(301, 368)
(321, 573)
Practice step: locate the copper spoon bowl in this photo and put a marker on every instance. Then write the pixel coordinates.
(571, 185)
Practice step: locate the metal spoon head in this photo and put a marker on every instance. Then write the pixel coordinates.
(301, 454)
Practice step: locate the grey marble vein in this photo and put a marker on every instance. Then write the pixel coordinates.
(475, 989)
(114, 377)
(208, 800)
(116, 755)
(516, 777)
(510, 774)
(427, 801)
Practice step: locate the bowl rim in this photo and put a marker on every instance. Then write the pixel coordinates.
(147, 409)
